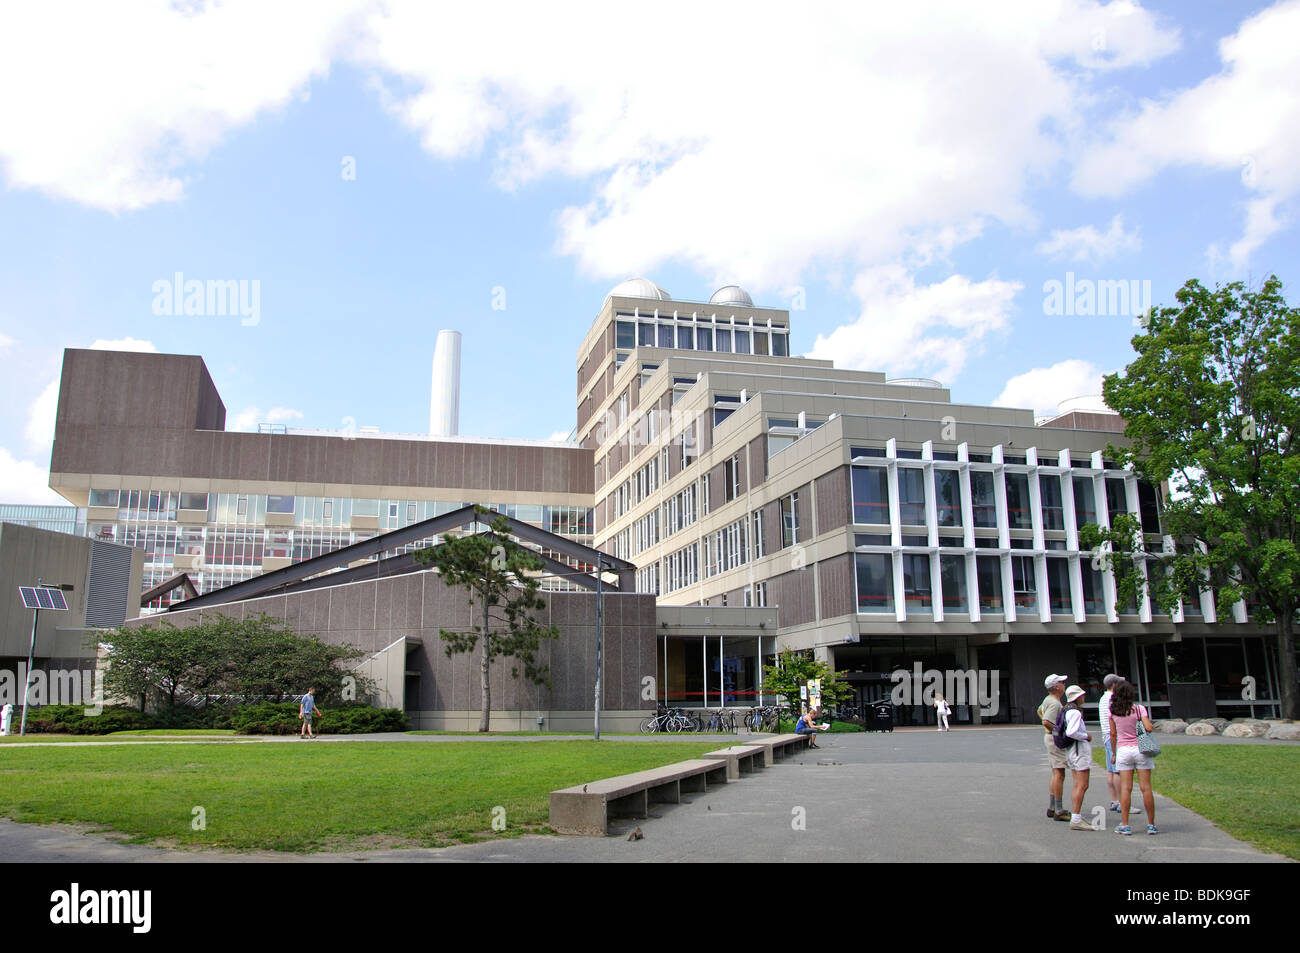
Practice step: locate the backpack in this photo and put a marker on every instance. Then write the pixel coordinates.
(1058, 733)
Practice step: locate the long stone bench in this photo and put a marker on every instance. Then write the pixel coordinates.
(588, 808)
(740, 759)
(779, 747)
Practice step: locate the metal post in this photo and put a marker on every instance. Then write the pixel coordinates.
(31, 655)
(600, 596)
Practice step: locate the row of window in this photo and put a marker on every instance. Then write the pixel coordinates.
(871, 498)
(876, 593)
(689, 336)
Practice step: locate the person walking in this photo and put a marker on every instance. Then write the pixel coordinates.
(1103, 715)
(305, 711)
(1048, 712)
(941, 711)
(1079, 755)
(1125, 713)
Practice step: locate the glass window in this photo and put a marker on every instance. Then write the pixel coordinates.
(109, 498)
(1116, 499)
(665, 335)
(722, 340)
(779, 348)
(1058, 584)
(624, 334)
(875, 582)
(1019, 512)
(704, 339)
(952, 573)
(742, 342)
(911, 496)
(646, 334)
(947, 489)
(870, 495)
(989, 571)
(1149, 506)
(984, 507)
(686, 338)
(1085, 506)
(194, 501)
(760, 342)
(916, 581)
(1049, 487)
(789, 520)
(1093, 600)
(1022, 579)
(1093, 661)
(279, 504)
(241, 506)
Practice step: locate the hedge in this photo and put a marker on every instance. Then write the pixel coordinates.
(266, 718)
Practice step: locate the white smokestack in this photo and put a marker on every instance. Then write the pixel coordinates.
(444, 405)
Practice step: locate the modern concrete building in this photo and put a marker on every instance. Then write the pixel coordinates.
(766, 501)
(101, 583)
(888, 525)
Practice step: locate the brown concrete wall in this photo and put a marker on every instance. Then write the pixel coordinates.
(373, 614)
(166, 391)
(837, 586)
(793, 593)
(832, 492)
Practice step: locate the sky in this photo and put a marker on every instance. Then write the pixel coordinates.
(937, 189)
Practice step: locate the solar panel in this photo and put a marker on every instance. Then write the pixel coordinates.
(41, 598)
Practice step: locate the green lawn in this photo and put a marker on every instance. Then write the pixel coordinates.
(303, 797)
(1246, 791)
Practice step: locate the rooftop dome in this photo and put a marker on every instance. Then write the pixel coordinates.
(732, 294)
(640, 288)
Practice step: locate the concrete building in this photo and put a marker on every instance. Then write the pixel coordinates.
(101, 583)
(889, 525)
(766, 501)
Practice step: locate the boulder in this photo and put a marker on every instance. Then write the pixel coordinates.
(1170, 726)
(1218, 723)
(1284, 733)
(1245, 730)
(1202, 728)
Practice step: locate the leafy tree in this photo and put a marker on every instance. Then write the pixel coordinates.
(793, 670)
(258, 657)
(1212, 409)
(499, 576)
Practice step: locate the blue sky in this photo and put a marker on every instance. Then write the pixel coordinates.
(914, 176)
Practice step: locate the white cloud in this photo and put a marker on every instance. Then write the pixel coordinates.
(248, 418)
(119, 102)
(1245, 119)
(906, 328)
(124, 344)
(1086, 243)
(560, 435)
(758, 141)
(6, 343)
(22, 481)
(1043, 388)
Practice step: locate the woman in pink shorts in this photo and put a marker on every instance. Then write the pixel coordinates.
(1124, 715)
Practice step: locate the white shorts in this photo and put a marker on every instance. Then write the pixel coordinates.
(1131, 759)
(1079, 756)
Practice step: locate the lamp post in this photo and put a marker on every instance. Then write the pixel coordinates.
(31, 654)
(600, 600)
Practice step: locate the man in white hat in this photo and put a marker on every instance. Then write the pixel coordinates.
(1079, 755)
(1048, 712)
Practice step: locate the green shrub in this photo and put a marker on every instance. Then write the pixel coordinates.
(281, 718)
(73, 720)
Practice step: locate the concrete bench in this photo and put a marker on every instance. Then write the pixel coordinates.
(587, 808)
(779, 746)
(740, 759)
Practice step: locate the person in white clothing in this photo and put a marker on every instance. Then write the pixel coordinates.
(941, 710)
(1079, 755)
